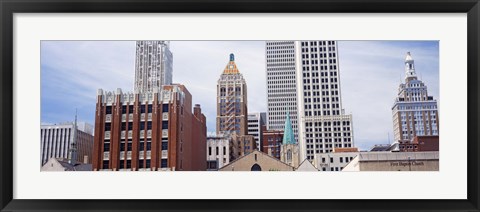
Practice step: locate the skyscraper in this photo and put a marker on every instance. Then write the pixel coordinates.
(303, 79)
(232, 112)
(153, 65)
(281, 84)
(414, 112)
(255, 123)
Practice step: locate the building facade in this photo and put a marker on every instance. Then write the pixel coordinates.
(257, 161)
(218, 152)
(255, 123)
(394, 161)
(414, 112)
(149, 131)
(303, 79)
(56, 141)
(281, 74)
(271, 142)
(153, 65)
(334, 161)
(232, 114)
(420, 144)
(241, 145)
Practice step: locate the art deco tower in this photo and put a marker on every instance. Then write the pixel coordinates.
(153, 65)
(232, 112)
(414, 112)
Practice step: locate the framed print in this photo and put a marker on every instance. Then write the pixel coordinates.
(256, 106)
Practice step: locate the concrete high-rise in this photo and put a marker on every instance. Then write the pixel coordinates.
(153, 65)
(414, 112)
(303, 79)
(57, 141)
(232, 111)
(255, 123)
(281, 84)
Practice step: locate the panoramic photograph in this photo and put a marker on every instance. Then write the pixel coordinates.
(290, 105)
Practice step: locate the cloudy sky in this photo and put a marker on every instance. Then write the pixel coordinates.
(370, 72)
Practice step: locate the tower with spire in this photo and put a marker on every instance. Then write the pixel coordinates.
(289, 152)
(414, 112)
(232, 114)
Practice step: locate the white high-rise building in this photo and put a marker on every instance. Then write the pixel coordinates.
(414, 112)
(153, 65)
(281, 84)
(255, 123)
(303, 79)
(56, 141)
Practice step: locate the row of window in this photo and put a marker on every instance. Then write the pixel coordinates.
(141, 164)
(143, 108)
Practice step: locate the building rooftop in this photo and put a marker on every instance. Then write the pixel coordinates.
(386, 156)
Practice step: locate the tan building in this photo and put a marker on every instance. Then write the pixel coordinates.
(257, 161)
(232, 114)
(241, 145)
(394, 161)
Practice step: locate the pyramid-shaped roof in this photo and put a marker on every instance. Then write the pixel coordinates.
(231, 67)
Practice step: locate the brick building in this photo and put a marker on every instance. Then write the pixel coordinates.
(271, 142)
(149, 131)
(420, 144)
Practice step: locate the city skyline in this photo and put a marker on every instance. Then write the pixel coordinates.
(367, 69)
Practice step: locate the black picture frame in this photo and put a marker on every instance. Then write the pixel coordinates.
(10, 7)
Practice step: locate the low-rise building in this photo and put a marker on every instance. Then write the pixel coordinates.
(257, 161)
(218, 154)
(62, 164)
(420, 144)
(394, 161)
(271, 142)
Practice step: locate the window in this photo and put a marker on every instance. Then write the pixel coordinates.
(210, 150)
(130, 109)
(165, 107)
(108, 110)
(140, 164)
(163, 163)
(216, 150)
(331, 160)
(149, 109)
(105, 164)
(124, 125)
(147, 165)
(106, 147)
(164, 125)
(149, 125)
(108, 126)
(142, 125)
(164, 145)
(124, 109)
(142, 108)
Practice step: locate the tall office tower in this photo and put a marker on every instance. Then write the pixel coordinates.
(414, 112)
(57, 139)
(255, 123)
(281, 84)
(314, 101)
(232, 101)
(153, 65)
(152, 131)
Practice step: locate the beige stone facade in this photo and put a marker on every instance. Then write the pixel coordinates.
(394, 161)
(257, 161)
